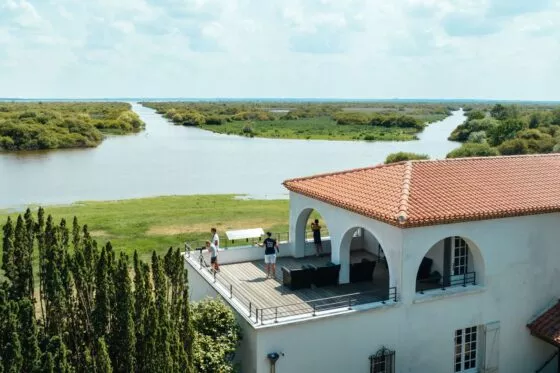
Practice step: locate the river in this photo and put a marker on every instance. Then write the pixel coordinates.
(173, 160)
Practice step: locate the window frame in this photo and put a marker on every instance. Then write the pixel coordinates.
(459, 269)
(383, 357)
(466, 364)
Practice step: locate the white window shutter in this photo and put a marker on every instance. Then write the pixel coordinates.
(491, 344)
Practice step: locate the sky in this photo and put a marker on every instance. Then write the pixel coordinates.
(375, 49)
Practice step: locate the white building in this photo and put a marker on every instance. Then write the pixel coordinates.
(467, 256)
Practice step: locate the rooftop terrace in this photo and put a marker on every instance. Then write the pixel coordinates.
(267, 301)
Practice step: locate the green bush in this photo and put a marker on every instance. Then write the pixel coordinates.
(506, 130)
(477, 137)
(473, 150)
(463, 131)
(404, 156)
(351, 118)
(217, 337)
(513, 146)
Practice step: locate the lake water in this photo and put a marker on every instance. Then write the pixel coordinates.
(166, 159)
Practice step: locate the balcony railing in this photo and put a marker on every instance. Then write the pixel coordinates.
(278, 236)
(312, 308)
(445, 282)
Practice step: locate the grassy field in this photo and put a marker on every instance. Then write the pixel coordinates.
(323, 128)
(149, 224)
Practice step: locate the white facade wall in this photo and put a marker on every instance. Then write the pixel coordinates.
(518, 268)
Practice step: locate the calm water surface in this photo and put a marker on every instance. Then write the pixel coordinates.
(166, 159)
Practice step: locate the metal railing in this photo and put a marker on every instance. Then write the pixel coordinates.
(204, 266)
(232, 244)
(445, 282)
(311, 307)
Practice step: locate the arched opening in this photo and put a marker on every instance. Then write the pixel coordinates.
(452, 262)
(364, 263)
(312, 239)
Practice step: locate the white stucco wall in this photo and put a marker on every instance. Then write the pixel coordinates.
(522, 273)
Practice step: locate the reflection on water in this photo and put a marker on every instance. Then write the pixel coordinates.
(167, 159)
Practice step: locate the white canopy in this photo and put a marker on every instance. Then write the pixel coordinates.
(245, 234)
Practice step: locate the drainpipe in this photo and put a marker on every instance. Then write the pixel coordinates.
(273, 358)
(558, 360)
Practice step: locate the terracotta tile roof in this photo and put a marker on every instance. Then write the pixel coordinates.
(547, 325)
(417, 193)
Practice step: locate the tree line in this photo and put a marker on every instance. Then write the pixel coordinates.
(67, 305)
(508, 130)
(344, 113)
(31, 126)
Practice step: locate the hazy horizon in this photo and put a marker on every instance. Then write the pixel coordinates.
(497, 50)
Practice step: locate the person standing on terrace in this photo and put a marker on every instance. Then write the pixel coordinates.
(213, 250)
(270, 249)
(316, 228)
(215, 238)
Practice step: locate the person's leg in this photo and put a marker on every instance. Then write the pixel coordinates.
(266, 265)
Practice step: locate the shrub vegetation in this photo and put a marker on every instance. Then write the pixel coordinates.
(508, 130)
(335, 121)
(31, 126)
(404, 156)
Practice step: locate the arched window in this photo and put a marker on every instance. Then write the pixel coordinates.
(452, 262)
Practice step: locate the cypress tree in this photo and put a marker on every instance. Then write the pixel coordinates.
(54, 292)
(28, 336)
(21, 260)
(75, 233)
(141, 305)
(186, 332)
(10, 350)
(151, 359)
(59, 355)
(28, 255)
(40, 233)
(102, 361)
(47, 363)
(101, 312)
(8, 250)
(123, 338)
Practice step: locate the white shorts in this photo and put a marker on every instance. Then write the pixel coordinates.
(270, 259)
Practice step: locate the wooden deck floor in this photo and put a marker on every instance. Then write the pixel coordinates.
(249, 280)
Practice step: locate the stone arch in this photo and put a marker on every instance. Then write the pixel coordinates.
(371, 242)
(301, 227)
(446, 264)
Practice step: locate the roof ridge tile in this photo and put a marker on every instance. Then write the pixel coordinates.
(402, 214)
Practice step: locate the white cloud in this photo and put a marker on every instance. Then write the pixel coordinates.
(280, 48)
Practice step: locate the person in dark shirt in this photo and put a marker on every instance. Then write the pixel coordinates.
(270, 249)
(316, 228)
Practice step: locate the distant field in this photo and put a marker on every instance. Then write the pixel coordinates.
(328, 121)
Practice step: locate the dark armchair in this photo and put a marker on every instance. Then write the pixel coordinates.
(362, 271)
(326, 276)
(425, 274)
(300, 278)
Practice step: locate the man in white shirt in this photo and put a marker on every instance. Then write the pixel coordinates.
(215, 238)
